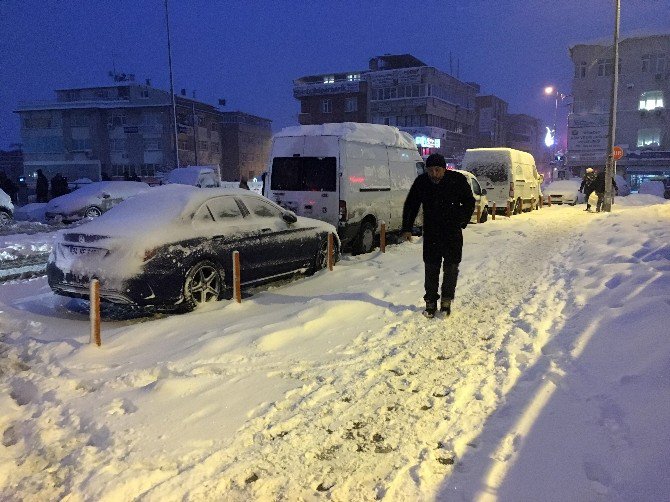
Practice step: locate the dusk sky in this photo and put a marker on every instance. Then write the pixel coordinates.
(249, 52)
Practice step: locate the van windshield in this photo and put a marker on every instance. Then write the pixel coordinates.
(494, 171)
(304, 174)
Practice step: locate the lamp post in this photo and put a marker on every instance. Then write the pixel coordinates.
(174, 103)
(553, 91)
(611, 163)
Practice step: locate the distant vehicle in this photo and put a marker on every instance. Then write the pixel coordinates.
(509, 177)
(351, 175)
(652, 187)
(78, 183)
(623, 187)
(564, 192)
(479, 193)
(91, 200)
(172, 247)
(6, 209)
(197, 176)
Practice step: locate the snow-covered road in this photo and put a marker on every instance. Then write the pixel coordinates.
(335, 386)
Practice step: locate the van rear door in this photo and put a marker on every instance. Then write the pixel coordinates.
(303, 176)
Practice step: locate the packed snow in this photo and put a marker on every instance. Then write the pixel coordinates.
(550, 381)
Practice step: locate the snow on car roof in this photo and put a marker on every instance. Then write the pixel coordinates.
(375, 134)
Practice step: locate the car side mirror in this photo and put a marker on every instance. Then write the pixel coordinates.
(289, 217)
(105, 195)
(483, 191)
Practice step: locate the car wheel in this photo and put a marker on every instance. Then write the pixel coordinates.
(5, 218)
(366, 238)
(484, 216)
(92, 212)
(203, 284)
(321, 258)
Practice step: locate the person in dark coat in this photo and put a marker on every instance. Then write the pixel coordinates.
(448, 205)
(42, 187)
(587, 185)
(244, 184)
(599, 189)
(8, 186)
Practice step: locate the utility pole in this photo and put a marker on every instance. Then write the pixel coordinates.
(195, 132)
(174, 103)
(610, 167)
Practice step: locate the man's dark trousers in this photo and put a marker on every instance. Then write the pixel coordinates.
(432, 280)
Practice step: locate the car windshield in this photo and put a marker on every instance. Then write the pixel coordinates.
(302, 174)
(494, 171)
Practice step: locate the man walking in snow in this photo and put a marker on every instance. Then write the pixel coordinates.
(448, 204)
(587, 186)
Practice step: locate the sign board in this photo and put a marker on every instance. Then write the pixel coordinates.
(617, 152)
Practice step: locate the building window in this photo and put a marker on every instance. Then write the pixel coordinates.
(327, 106)
(79, 121)
(649, 138)
(203, 145)
(653, 63)
(651, 100)
(144, 93)
(329, 79)
(152, 144)
(605, 67)
(354, 77)
(351, 105)
(215, 148)
(117, 145)
(117, 120)
(580, 70)
(80, 145)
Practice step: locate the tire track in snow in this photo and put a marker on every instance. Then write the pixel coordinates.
(393, 413)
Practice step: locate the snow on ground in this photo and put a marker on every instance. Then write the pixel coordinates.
(550, 381)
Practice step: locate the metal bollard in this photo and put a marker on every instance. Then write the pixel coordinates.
(95, 311)
(237, 287)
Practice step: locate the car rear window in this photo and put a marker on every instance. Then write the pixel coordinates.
(304, 174)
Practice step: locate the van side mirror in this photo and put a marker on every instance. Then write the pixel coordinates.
(289, 217)
(483, 191)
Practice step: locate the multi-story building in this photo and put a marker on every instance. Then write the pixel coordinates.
(525, 133)
(491, 117)
(246, 142)
(11, 163)
(643, 120)
(398, 90)
(124, 128)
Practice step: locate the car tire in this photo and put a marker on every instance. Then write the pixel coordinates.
(321, 258)
(484, 216)
(5, 218)
(365, 241)
(203, 283)
(92, 212)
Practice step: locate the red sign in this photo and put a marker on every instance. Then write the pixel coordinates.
(617, 152)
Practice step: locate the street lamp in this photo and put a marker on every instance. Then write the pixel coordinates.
(553, 91)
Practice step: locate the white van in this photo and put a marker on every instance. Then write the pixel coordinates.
(509, 177)
(199, 176)
(354, 176)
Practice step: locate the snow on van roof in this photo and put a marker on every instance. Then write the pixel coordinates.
(375, 134)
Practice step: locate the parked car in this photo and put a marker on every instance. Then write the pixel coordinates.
(197, 176)
(91, 200)
(564, 192)
(652, 187)
(479, 194)
(623, 187)
(172, 247)
(6, 209)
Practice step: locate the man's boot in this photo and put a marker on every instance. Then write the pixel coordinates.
(445, 306)
(430, 309)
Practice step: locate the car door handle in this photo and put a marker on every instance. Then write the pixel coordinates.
(265, 229)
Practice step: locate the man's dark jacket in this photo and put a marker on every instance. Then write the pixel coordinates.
(447, 208)
(599, 183)
(587, 182)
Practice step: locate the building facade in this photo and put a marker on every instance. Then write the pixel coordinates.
(246, 141)
(11, 163)
(397, 90)
(643, 121)
(525, 133)
(118, 129)
(491, 120)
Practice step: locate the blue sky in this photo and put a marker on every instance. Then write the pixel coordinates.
(249, 52)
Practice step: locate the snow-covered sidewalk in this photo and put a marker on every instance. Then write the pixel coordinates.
(550, 381)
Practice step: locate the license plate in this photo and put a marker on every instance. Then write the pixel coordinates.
(80, 251)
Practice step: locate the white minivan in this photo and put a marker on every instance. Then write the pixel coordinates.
(354, 176)
(509, 177)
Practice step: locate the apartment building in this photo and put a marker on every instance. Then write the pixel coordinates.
(246, 141)
(643, 122)
(491, 118)
(399, 90)
(122, 128)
